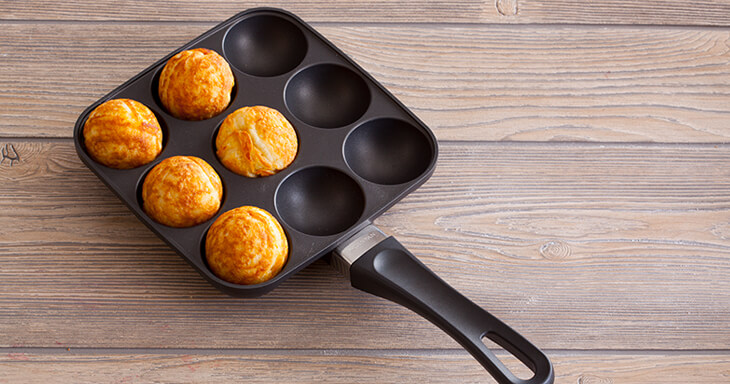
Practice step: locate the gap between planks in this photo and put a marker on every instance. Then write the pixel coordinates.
(385, 24)
(346, 351)
(512, 143)
(705, 12)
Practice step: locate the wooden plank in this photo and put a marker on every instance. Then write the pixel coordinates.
(576, 245)
(663, 12)
(467, 83)
(262, 366)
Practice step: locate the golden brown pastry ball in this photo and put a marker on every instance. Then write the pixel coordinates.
(256, 141)
(122, 134)
(182, 191)
(246, 245)
(196, 84)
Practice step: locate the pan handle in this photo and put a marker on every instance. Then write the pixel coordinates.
(388, 270)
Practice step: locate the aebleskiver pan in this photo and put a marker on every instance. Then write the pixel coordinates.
(360, 152)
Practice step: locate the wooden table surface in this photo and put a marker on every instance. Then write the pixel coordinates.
(582, 195)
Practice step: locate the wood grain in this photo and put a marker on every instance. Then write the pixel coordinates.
(262, 366)
(604, 246)
(661, 12)
(613, 256)
(468, 83)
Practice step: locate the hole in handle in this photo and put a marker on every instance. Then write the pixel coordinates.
(519, 366)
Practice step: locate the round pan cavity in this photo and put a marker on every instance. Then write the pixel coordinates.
(265, 45)
(155, 87)
(160, 120)
(388, 151)
(327, 96)
(320, 201)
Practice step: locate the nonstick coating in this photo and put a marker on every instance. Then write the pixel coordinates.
(360, 149)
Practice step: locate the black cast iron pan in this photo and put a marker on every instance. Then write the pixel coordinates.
(360, 151)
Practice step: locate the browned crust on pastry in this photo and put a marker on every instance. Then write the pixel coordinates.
(182, 191)
(256, 141)
(246, 245)
(196, 84)
(122, 134)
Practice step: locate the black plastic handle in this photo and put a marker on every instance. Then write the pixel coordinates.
(388, 270)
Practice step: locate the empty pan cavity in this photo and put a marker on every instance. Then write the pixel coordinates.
(265, 45)
(388, 151)
(320, 201)
(327, 96)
